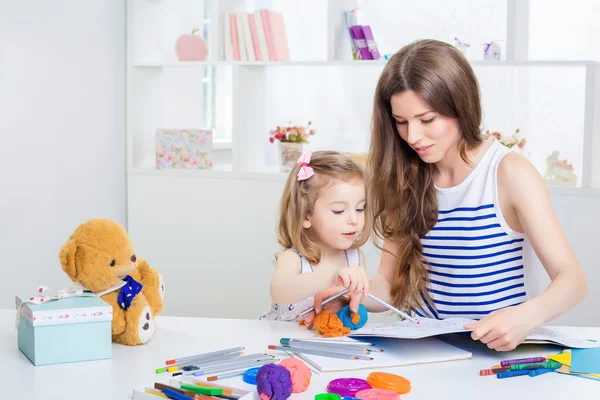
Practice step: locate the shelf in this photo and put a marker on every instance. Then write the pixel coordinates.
(362, 63)
(225, 172)
(218, 172)
(188, 64)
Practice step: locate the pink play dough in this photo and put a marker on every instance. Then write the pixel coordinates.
(300, 374)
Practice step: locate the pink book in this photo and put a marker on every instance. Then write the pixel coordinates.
(266, 20)
(360, 42)
(255, 42)
(280, 39)
(234, 37)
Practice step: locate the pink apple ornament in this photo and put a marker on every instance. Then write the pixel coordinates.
(191, 47)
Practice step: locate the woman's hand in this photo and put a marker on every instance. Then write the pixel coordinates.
(505, 329)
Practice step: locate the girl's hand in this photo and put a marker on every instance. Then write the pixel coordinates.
(355, 279)
(504, 329)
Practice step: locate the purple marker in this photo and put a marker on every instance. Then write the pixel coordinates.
(533, 360)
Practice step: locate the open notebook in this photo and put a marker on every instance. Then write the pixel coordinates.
(428, 327)
(397, 352)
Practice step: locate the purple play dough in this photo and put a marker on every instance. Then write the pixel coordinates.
(273, 382)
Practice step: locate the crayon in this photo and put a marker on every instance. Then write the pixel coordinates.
(536, 372)
(509, 374)
(533, 360)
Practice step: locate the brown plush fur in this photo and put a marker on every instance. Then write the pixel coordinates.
(98, 255)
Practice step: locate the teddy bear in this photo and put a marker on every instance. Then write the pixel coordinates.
(99, 255)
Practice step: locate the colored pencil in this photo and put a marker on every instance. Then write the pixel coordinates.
(329, 299)
(392, 308)
(191, 361)
(248, 365)
(323, 353)
(349, 350)
(332, 346)
(319, 340)
(189, 369)
(226, 374)
(218, 362)
(204, 355)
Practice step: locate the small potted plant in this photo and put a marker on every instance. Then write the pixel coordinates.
(509, 141)
(291, 140)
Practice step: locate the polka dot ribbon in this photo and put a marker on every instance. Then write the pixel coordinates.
(75, 290)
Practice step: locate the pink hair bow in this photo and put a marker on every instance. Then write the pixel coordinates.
(305, 171)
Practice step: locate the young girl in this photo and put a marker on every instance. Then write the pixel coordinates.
(321, 227)
(455, 209)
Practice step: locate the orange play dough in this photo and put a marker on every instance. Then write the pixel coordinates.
(330, 325)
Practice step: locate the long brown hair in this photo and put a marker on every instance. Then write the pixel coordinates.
(402, 195)
(299, 197)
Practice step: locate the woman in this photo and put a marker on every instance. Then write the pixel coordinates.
(455, 209)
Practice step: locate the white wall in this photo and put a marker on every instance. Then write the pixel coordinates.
(62, 80)
(212, 240)
(564, 30)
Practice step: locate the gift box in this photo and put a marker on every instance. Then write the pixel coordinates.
(70, 329)
(184, 148)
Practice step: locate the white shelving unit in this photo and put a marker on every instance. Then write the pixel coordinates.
(162, 92)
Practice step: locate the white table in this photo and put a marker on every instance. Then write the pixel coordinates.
(133, 367)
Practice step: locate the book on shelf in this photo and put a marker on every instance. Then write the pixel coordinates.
(362, 41)
(256, 36)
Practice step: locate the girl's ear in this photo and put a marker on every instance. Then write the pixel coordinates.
(306, 224)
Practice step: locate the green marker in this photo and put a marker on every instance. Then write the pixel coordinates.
(203, 390)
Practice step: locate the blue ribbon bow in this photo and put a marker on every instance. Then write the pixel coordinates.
(129, 291)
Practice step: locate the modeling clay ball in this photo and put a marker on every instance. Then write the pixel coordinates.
(330, 325)
(347, 387)
(300, 374)
(273, 382)
(250, 375)
(353, 320)
(377, 394)
(385, 380)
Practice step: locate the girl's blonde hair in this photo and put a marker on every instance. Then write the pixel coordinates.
(299, 198)
(402, 196)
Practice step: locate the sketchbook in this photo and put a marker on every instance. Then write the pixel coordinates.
(396, 353)
(428, 327)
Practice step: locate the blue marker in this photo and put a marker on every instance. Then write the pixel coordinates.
(174, 395)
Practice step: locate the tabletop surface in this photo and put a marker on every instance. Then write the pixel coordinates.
(134, 367)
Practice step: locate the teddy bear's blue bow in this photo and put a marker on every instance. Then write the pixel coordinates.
(129, 291)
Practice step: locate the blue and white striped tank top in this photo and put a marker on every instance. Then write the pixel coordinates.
(475, 259)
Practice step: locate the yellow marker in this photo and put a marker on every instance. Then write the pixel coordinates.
(157, 393)
(172, 369)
